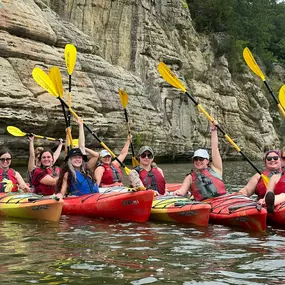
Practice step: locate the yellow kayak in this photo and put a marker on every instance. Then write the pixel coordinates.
(30, 206)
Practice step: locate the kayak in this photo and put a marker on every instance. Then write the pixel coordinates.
(236, 210)
(180, 210)
(278, 217)
(116, 202)
(172, 186)
(30, 206)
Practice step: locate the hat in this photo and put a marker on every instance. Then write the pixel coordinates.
(74, 152)
(201, 153)
(272, 150)
(146, 148)
(104, 153)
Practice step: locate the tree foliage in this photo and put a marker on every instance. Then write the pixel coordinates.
(258, 24)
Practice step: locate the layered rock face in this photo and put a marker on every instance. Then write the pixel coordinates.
(119, 45)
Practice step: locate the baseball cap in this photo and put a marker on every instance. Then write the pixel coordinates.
(104, 153)
(146, 148)
(74, 152)
(201, 153)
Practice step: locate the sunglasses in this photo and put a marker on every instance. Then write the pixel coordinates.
(269, 158)
(198, 158)
(5, 159)
(148, 155)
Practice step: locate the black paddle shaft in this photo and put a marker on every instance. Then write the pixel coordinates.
(127, 120)
(224, 133)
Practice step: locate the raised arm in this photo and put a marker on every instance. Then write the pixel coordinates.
(249, 188)
(124, 151)
(217, 163)
(31, 163)
(57, 152)
(81, 137)
(91, 164)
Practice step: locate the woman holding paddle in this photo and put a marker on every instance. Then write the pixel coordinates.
(205, 181)
(147, 175)
(75, 178)
(10, 180)
(108, 172)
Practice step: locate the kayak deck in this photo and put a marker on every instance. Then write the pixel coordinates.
(30, 206)
(180, 210)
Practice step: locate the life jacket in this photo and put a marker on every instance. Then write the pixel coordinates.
(280, 185)
(82, 185)
(206, 183)
(39, 174)
(260, 189)
(152, 179)
(112, 174)
(10, 174)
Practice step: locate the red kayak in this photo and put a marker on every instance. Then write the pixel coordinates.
(278, 217)
(237, 211)
(113, 203)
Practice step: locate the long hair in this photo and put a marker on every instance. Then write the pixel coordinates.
(69, 169)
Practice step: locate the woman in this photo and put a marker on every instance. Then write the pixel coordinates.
(108, 173)
(46, 175)
(205, 181)
(74, 178)
(8, 174)
(34, 160)
(147, 175)
(256, 184)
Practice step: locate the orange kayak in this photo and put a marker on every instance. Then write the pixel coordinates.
(180, 210)
(237, 211)
(30, 206)
(113, 203)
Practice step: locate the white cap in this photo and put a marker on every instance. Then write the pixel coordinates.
(104, 153)
(201, 153)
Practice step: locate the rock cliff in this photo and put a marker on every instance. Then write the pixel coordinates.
(119, 45)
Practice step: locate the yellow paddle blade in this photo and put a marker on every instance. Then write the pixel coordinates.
(124, 98)
(250, 61)
(169, 76)
(55, 76)
(265, 179)
(75, 143)
(14, 131)
(44, 81)
(70, 57)
(135, 162)
(282, 96)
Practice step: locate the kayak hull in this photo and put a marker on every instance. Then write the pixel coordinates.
(120, 205)
(30, 206)
(237, 211)
(180, 210)
(278, 217)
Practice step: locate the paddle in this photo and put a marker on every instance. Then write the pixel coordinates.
(124, 98)
(70, 60)
(55, 76)
(44, 81)
(16, 132)
(249, 59)
(169, 76)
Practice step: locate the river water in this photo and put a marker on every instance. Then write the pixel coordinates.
(95, 251)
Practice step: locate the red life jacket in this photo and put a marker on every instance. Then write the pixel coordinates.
(260, 189)
(280, 185)
(112, 174)
(10, 174)
(206, 183)
(39, 174)
(152, 179)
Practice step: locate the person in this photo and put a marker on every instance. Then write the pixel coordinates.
(8, 174)
(46, 175)
(147, 175)
(35, 154)
(282, 155)
(74, 178)
(205, 181)
(256, 184)
(108, 173)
